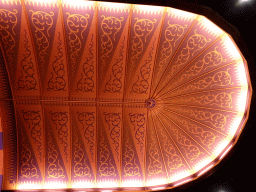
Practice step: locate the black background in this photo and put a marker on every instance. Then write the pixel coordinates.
(236, 172)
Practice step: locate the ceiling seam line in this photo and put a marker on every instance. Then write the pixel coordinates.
(173, 141)
(189, 63)
(231, 63)
(157, 49)
(195, 121)
(192, 25)
(186, 133)
(198, 92)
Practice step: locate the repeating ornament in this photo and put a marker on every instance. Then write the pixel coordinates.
(33, 119)
(139, 122)
(194, 43)
(43, 22)
(216, 119)
(57, 81)
(87, 119)
(81, 169)
(171, 35)
(215, 99)
(114, 84)
(8, 22)
(174, 161)
(109, 26)
(210, 60)
(27, 80)
(192, 152)
(86, 84)
(142, 28)
(60, 119)
(142, 85)
(131, 167)
(28, 168)
(206, 137)
(220, 78)
(76, 24)
(114, 125)
(106, 167)
(54, 168)
(155, 166)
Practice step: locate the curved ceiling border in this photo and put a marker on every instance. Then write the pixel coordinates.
(39, 56)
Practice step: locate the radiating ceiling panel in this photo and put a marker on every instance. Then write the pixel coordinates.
(110, 96)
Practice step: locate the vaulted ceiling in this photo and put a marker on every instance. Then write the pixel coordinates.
(115, 96)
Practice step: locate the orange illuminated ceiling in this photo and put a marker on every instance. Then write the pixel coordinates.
(115, 96)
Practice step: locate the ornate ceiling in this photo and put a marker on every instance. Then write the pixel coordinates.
(115, 96)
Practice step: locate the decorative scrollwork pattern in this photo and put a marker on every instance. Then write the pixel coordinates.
(174, 161)
(106, 167)
(27, 80)
(81, 169)
(142, 28)
(110, 26)
(60, 119)
(113, 120)
(57, 81)
(54, 169)
(216, 119)
(131, 168)
(87, 119)
(86, 84)
(206, 137)
(155, 166)
(28, 169)
(171, 34)
(42, 22)
(210, 60)
(192, 152)
(114, 84)
(33, 119)
(142, 84)
(8, 20)
(222, 99)
(194, 43)
(76, 25)
(138, 120)
(220, 78)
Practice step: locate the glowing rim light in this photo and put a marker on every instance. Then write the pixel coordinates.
(29, 186)
(205, 170)
(83, 184)
(180, 176)
(210, 26)
(148, 9)
(231, 48)
(183, 182)
(202, 164)
(226, 152)
(158, 188)
(155, 182)
(182, 14)
(107, 184)
(77, 3)
(55, 185)
(222, 146)
(132, 183)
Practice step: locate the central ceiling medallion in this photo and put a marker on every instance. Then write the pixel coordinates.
(151, 103)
